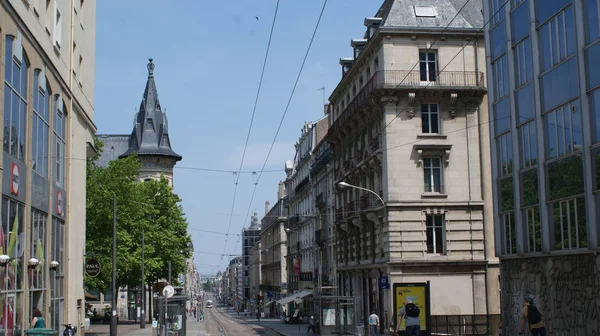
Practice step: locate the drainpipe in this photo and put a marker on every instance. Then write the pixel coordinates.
(485, 255)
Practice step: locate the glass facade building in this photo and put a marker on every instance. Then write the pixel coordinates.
(544, 97)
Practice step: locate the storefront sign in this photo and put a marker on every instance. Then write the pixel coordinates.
(92, 268)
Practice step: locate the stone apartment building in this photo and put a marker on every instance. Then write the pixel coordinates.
(47, 71)
(255, 278)
(321, 173)
(302, 226)
(250, 237)
(409, 122)
(544, 94)
(273, 237)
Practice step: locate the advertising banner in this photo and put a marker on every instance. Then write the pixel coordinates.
(418, 293)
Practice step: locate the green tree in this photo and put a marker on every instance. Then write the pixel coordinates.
(151, 206)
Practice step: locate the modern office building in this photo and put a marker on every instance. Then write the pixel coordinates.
(47, 60)
(545, 101)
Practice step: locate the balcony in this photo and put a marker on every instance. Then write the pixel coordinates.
(411, 80)
(350, 209)
(302, 184)
(319, 237)
(320, 200)
(369, 201)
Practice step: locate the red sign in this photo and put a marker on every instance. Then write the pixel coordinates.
(296, 266)
(14, 179)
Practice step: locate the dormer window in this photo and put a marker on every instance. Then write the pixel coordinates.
(358, 45)
(372, 23)
(425, 11)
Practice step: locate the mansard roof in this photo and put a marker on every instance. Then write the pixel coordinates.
(432, 14)
(150, 135)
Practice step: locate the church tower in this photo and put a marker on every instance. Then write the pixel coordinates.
(150, 136)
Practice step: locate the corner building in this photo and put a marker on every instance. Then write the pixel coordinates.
(546, 158)
(47, 83)
(409, 122)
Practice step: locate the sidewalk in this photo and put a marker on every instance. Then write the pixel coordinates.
(194, 328)
(274, 324)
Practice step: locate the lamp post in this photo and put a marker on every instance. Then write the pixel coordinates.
(113, 317)
(343, 184)
(143, 300)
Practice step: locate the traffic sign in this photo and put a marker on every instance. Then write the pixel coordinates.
(92, 267)
(168, 291)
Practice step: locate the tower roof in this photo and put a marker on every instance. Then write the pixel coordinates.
(150, 135)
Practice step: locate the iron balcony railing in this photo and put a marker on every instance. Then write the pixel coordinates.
(406, 79)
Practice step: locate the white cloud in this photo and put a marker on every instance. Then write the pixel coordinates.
(256, 154)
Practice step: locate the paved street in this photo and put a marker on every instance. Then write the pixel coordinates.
(274, 325)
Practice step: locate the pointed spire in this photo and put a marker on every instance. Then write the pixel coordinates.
(150, 135)
(150, 68)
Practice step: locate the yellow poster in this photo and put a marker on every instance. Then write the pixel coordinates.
(417, 293)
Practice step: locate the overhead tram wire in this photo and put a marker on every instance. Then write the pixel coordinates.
(397, 114)
(286, 109)
(214, 170)
(262, 74)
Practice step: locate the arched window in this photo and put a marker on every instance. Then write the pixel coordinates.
(40, 126)
(59, 141)
(15, 98)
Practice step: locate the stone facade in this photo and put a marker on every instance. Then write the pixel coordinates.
(556, 283)
(414, 138)
(47, 70)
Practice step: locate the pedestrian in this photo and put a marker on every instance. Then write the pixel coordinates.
(410, 314)
(194, 311)
(374, 324)
(312, 325)
(258, 315)
(534, 318)
(38, 319)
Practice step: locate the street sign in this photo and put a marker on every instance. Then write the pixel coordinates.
(384, 282)
(298, 301)
(92, 267)
(168, 291)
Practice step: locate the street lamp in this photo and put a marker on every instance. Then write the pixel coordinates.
(33, 263)
(343, 184)
(113, 316)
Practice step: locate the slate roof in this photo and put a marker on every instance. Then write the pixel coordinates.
(401, 13)
(150, 135)
(114, 146)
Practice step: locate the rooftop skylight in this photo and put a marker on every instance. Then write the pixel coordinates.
(425, 11)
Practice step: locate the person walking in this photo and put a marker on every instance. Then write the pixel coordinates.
(410, 314)
(534, 318)
(374, 324)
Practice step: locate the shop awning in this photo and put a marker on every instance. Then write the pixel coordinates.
(293, 297)
(89, 296)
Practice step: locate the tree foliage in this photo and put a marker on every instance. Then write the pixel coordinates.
(150, 206)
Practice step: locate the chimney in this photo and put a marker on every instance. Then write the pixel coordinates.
(281, 191)
(267, 207)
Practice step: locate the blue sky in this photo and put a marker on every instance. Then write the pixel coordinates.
(208, 57)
